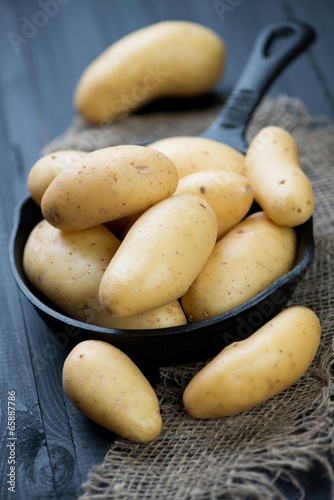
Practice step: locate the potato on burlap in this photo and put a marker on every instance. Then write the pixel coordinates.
(249, 372)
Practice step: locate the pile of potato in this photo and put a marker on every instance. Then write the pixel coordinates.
(152, 237)
(134, 238)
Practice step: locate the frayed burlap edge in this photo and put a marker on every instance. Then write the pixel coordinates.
(251, 455)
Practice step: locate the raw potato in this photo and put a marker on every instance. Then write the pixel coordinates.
(108, 184)
(166, 59)
(47, 168)
(161, 317)
(228, 193)
(165, 316)
(251, 371)
(251, 256)
(281, 188)
(160, 256)
(107, 387)
(190, 154)
(67, 267)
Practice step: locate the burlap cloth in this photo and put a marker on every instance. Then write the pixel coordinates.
(251, 454)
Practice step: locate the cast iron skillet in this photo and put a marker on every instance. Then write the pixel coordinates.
(276, 46)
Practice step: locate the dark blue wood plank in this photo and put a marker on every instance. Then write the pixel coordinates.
(318, 93)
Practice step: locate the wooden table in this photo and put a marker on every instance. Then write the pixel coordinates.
(44, 47)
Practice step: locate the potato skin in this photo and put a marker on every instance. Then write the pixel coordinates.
(107, 387)
(281, 188)
(108, 184)
(47, 168)
(249, 372)
(251, 256)
(67, 267)
(191, 154)
(170, 58)
(228, 193)
(160, 256)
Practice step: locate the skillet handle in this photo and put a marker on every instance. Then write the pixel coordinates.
(275, 47)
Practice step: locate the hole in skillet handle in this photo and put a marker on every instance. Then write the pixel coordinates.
(151, 349)
(278, 40)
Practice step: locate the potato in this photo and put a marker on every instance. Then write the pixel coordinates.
(107, 387)
(166, 316)
(166, 59)
(190, 154)
(228, 193)
(251, 371)
(251, 256)
(281, 188)
(108, 184)
(47, 168)
(160, 256)
(67, 267)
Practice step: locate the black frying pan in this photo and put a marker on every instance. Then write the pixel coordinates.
(276, 46)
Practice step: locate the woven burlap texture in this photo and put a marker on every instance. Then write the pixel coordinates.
(248, 455)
